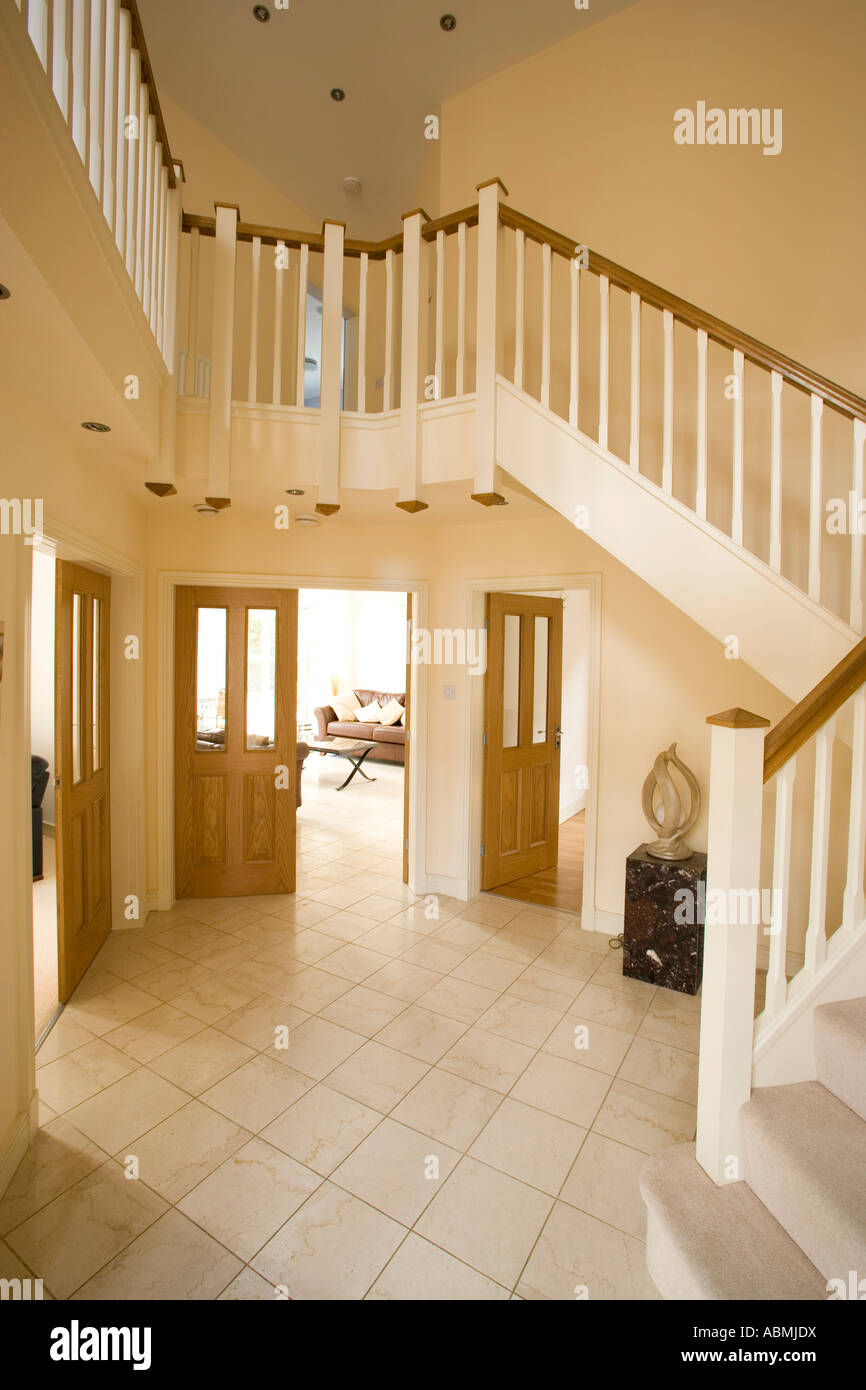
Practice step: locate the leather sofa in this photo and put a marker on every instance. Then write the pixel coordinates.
(390, 739)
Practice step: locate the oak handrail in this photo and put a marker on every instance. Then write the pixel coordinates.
(138, 41)
(806, 718)
(375, 250)
(841, 399)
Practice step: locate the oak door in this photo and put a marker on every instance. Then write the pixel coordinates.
(81, 735)
(523, 696)
(235, 741)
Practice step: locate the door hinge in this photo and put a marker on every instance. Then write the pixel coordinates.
(483, 740)
(483, 851)
(486, 624)
(406, 842)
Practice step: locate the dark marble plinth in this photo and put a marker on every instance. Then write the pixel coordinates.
(663, 935)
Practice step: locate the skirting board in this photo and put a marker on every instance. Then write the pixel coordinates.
(572, 808)
(16, 1147)
(448, 887)
(608, 923)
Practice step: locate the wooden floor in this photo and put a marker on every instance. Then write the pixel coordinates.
(561, 886)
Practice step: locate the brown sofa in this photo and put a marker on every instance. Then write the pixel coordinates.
(390, 739)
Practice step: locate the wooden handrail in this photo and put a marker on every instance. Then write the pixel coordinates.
(841, 399)
(375, 250)
(806, 718)
(138, 41)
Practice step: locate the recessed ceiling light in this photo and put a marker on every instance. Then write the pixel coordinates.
(305, 520)
(95, 426)
(261, 13)
(295, 491)
(4, 293)
(448, 23)
(337, 94)
(351, 184)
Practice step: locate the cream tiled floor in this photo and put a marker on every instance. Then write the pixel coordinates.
(461, 1112)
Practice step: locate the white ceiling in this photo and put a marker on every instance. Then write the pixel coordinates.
(263, 89)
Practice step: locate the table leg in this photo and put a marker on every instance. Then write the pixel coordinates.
(356, 767)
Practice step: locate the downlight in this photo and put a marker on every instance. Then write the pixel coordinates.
(95, 427)
(448, 23)
(337, 94)
(4, 292)
(295, 491)
(261, 13)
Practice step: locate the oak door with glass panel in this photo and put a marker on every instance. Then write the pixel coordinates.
(235, 741)
(82, 769)
(522, 717)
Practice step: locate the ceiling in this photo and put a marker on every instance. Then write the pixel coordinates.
(264, 89)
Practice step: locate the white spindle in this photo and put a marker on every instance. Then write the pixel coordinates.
(461, 305)
(439, 351)
(301, 334)
(192, 315)
(603, 357)
(221, 354)
(280, 257)
(634, 381)
(253, 377)
(816, 511)
(546, 260)
(776, 384)
(389, 327)
(37, 28)
(519, 306)
(411, 369)
(332, 343)
(109, 117)
(486, 324)
(857, 481)
(149, 213)
(738, 453)
(777, 983)
(141, 189)
(133, 159)
(60, 57)
(121, 189)
(701, 489)
(668, 407)
(97, 78)
(362, 334)
(79, 77)
(852, 902)
(816, 939)
(574, 341)
(160, 253)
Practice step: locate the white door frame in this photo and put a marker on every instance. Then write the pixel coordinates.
(473, 759)
(163, 897)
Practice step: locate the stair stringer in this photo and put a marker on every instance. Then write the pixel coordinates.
(783, 634)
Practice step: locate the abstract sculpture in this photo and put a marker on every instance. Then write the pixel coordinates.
(674, 820)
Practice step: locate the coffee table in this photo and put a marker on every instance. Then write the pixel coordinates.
(354, 750)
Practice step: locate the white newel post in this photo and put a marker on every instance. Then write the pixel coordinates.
(160, 478)
(409, 492)
(727, 1010)
(485, 344)
(222, 352)
(332, 339)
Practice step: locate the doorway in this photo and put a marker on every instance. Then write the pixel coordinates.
(42, 775)
(236, 776)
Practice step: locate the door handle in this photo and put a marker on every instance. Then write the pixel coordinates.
(557, 737)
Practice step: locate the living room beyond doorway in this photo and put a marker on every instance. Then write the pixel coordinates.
(352, 712)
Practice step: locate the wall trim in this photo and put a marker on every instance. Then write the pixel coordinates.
(16, 1146)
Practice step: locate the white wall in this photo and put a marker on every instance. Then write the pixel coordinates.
(42, 671)
(576, 652)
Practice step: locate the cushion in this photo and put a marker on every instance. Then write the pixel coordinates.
(393, 734)
(345, 705)
(392, 713)
(372, 713)
(403, 717)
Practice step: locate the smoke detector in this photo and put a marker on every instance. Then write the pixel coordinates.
(351, 184)
(305, 519)
(206, 509)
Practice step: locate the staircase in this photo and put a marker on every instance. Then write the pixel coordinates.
(798, 1219)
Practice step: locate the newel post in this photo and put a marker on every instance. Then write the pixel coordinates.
(160, 472)
(332, 343)
(485, 344)
(409, 499)
(733, 870)
(222, 353)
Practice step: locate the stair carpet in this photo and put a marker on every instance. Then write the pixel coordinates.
(798, 1219)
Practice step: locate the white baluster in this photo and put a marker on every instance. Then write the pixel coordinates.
(439, 358)
(634, 402)
(603, 357)
(149, 213)
(142, 157)
(486, 326)
(519, 306)
(301, 335)
(737, 469)
(192, 315)
(777, 983)
(776, 385)
(409, 482)
(79, 77)
(816, 940)
(37, 28)
(253, 376)
(160, 253)
(461, 306)
(96, 80)
(222, 353)
(574, 341)
(121, 188)
(668, 405)
(133, 158)
(389, 327)
(857, 484)
(109, 117)
(816, 508)
(701, 489)
(280, 257)
(60, 57)
(852, 901)
(362, 334)
(546, 258)
(332, 345)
